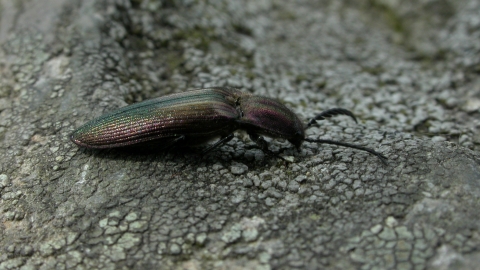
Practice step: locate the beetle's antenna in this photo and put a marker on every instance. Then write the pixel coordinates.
(371, 151)
(329, 113)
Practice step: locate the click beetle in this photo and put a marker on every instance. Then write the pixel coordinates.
(198, 116)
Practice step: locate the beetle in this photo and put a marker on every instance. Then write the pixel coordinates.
(198, 116)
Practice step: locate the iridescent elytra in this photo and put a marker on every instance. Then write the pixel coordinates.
(198, 116)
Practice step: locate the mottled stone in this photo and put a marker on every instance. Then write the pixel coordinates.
(391, 222)
(175, 249)
(376, 229)
(131, 217)
(138, 226)
(404, 233)
(128, 240)
(387, 234)
(3, 180)
(238, 169)
(233, 234)
(406, 69)
(201, 238)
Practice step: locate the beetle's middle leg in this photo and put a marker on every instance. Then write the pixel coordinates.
(218, 143)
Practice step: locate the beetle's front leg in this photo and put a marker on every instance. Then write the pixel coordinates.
(260, 141)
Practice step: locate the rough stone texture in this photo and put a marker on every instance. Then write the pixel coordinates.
(408, 69)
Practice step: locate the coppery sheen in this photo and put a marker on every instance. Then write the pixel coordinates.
(198, 116)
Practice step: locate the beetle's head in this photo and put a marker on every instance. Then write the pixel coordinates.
(269, 117)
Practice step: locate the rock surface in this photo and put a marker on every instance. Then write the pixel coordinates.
(408, 69)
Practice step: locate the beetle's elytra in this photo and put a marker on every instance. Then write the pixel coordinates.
(198, 116)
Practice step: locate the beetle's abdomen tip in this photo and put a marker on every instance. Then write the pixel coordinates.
(78, 138)
(74, 137)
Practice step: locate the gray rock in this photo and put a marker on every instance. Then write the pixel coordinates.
(407, 69)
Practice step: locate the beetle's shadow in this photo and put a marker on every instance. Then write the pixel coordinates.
(135, 153)
(184, 155)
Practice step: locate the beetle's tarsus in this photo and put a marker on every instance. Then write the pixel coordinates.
(354, 146)
(329, 113)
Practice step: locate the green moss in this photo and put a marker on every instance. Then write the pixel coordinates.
(476, 69)
(321, 85)
(199, 37)
(301, 77)
(174, 60)
(250, 75)
(285, 14)
(303, 104)
(389, 15)
(242, 29)
(202, 38)
(373, 70)
(422, 127)
(427, 59)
